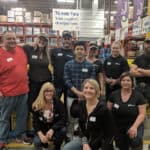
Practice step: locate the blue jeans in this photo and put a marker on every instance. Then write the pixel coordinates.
(75, 144)
(8, 104)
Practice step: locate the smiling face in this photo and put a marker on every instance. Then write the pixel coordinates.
(9, 40)
(126, 82)
(48, 94)
(90, 89)
(41, 42)
(67, 42)
(115, 49)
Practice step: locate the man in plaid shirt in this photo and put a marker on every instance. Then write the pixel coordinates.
(75, 72)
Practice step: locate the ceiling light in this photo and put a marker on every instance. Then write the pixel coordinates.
(65, 1)
(9, 0)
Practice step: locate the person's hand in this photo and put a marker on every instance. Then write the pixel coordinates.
(43, 139)
(50, 134)
(132, 132)
(113, 82)
(86, 147)
(108, 80)
(140, 70)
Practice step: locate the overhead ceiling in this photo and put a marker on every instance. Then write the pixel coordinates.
(46, 5)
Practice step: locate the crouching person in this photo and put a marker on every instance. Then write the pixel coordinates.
(96, 124)
(49, 118)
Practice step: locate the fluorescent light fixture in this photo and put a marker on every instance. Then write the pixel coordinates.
(8, 0)
(65, 1)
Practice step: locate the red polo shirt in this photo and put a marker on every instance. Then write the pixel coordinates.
(13, 72)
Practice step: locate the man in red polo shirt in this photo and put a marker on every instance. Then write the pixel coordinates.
(13, 87)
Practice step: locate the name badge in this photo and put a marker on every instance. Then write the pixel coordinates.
(131, 105)
(108, 63)
(92, 119)
(118, 64)
(84, 70)
(9, 59)
(116, 106)
(34, 57)
(60, 54)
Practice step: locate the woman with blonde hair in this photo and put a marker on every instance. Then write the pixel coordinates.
(49, 118)
(96, 126)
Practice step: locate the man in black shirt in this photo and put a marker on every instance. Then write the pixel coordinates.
(113, 67)
(141, 70)
(59, 56)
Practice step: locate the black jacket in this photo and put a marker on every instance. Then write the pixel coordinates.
(59, 121)
(98, 127)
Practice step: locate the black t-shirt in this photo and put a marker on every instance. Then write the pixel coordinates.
(38, 68)
(143, 62)
(114, 67)
(59, 57)
(125, 113)
(98, 68)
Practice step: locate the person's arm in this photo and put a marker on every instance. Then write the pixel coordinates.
(140, 118)
(101, 81)
(134, 69)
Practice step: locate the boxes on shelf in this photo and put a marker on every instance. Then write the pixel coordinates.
(37, 20)
(3, 18)
(28, 40)
(37, 14)
(11, 19)
(44, 18)
(12, 28)
(36, 30)
(28, 30)
(19, 19)
(19, 30)
(3, 29)
(28, 17)
(45, 30)
(11, 13)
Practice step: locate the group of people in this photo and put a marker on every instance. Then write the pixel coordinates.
(71, 70)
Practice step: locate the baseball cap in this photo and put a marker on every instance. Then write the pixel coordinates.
(93, 45)
(147, 40)
(43, 36)
(66, 34)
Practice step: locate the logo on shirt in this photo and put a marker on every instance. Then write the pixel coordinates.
(10, 59)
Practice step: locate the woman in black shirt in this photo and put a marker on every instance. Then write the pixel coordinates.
(39, 62)
(95, 121)
(49, 119)
(129, 109)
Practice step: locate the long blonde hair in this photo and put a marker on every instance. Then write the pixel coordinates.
(40, 103)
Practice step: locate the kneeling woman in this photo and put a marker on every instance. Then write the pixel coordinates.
(49, 118)
(95, 121)
(129, 109)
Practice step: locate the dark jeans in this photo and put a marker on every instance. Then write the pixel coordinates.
(57, 139)
(59, 92)
(34, 91)
(123, 141)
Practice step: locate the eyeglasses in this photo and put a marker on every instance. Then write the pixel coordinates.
(48, 91)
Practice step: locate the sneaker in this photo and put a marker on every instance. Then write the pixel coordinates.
(25, 140)
(2, 146)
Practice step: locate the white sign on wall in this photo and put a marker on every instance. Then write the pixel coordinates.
(146, 25)
(66, 19)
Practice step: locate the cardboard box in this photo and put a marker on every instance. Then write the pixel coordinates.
(11, 19)
(3, 18)
(37, 20)
(19, 19)
(11, 14)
